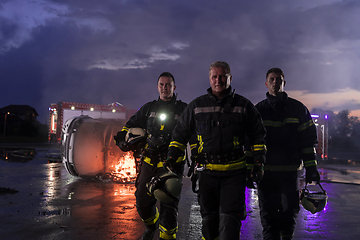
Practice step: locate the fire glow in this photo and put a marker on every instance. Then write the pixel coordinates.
(125, 170)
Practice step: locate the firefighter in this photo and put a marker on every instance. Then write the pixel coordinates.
(158, 118)
(222, 120)
(290, 140)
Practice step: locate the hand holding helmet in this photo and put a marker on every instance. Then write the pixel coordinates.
(257, 172)
(313, 201)
(312, 174)
(165, 187)
(169, 163)
(120, 141)
(249, 180)
(130, 140)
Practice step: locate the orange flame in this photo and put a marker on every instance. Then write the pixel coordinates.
(125, 170)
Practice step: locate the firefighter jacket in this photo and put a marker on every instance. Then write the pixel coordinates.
(221, 127)
(158, 118)
(291, 133)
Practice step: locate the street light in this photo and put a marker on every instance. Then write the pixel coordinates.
(5, 122)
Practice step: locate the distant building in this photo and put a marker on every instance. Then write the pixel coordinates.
(24, 112)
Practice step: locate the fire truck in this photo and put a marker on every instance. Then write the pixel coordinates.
(321, 123)
(62, 111)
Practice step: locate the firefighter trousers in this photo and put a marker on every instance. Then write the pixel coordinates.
(279, 204)
(221, 198)
(166, 217)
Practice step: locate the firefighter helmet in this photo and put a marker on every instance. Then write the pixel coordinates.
(165, 187)
(134, 136)
(313, 202)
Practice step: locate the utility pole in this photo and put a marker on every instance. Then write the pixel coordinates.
(5, 122)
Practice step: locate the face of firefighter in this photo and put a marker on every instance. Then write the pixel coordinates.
(219, 81)
(275, 83)
(166, 88)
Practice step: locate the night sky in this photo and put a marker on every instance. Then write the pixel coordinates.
(106, 51)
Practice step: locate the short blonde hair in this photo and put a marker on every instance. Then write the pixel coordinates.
(221, 64)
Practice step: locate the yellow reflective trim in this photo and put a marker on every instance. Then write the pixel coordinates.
(272, 123)
(279, 123)
(160, 164)
(308, 150)
(236, 109)
(259, 147)
(225, 167)
(177, 145)
(202, 238)
(126, 129)
(305, 125)
(201, 144)
(163, 235)
(291, 120)
(249, 165)
(167, 234)
(310, 163)
(153, 219)
(248, 153)
(282, 168)
(193, 146)
(236, 142)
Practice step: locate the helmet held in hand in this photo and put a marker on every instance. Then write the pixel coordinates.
(165, 187)
(313, 202)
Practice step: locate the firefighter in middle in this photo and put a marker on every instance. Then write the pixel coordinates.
(158, 118)
(222, 120)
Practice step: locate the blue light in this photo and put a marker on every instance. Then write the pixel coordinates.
(314, 115)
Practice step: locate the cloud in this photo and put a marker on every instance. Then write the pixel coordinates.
(336, 101)
(21, 17)
(106, 51)
(155, 53)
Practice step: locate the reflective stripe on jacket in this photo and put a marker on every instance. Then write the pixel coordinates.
(291, 133)
(221, 126)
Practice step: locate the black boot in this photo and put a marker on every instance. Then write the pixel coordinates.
(149, 232)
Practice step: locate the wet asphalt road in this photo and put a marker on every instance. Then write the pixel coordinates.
(40, 200)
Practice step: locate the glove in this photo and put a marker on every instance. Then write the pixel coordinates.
(249, 181)
(169, 163)
(312, 174)
(124, 146)
(257, 172)
(120, 141)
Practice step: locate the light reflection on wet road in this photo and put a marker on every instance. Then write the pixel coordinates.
(51, 204)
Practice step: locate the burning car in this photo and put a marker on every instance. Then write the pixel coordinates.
(88, 149)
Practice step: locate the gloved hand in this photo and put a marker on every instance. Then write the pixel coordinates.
(312, 174)
(249, 181)
(124, 146)
(120, 141)
(169, 163)
(257, 172)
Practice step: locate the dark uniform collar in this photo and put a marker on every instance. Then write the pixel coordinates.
(227, 92)
(171, 102)
(278, 100)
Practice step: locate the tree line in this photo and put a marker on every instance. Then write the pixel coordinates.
(343, 130)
